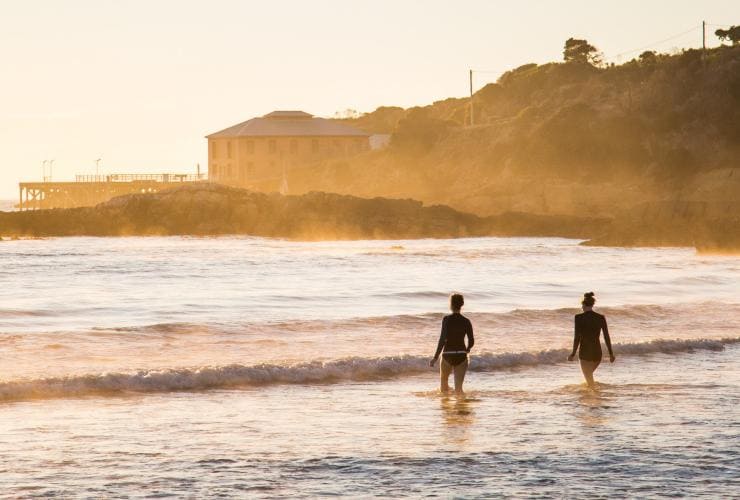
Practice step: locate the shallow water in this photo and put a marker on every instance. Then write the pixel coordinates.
(205, 366)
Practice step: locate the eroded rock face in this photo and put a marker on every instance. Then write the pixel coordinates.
(708, 226)
(211, 209)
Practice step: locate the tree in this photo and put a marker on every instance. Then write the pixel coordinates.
(419, 130)
(580, 51)
(648, 57)
(731, 34)
(347, 114)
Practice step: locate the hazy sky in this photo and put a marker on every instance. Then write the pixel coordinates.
(139, 83)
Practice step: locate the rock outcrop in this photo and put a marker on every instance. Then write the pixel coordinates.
(708, 226)
(211, 209)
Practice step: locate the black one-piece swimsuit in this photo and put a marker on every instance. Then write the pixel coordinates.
(588, 327)
(455, 327)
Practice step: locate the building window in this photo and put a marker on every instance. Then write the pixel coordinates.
(228, 149)
(272, 165)
(228, 171)
(214, 150)
(250, 147)
(242, 172)
(315, 146)
(214, 171)
(250, 170)
(272, 146)
(293, 146)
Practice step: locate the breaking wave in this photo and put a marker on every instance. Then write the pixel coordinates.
(343, 370)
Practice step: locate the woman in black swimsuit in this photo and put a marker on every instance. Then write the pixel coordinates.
(455, 327)
(589, 325)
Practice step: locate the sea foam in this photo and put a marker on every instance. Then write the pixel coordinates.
(327, 372)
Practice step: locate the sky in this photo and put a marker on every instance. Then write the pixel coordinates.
(139, 83)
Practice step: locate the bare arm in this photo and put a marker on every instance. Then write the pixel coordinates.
(608, 340)
(576, 341)
(441, 343)
(471, 339)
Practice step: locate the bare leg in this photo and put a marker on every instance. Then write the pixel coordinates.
(444, 375)
(460, 376)
(588, 368)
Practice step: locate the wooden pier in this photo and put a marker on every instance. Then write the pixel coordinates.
(89, 190)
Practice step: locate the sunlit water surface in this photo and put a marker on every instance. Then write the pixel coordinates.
(242, 366)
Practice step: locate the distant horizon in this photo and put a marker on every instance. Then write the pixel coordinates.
(152, 85)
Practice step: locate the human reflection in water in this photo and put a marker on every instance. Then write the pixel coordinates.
(458, 413)
(592, 407)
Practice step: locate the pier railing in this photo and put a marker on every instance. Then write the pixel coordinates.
(140, 177)
(89, 190)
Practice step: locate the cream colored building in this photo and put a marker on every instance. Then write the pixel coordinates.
(260, 153)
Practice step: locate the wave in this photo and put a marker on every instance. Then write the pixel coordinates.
(679, 316)
(160, 328)
(337, 371)
(627, 311)
(690, 318)
(20, 313)
(419, 294)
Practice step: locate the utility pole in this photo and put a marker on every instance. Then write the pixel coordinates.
(704, 35)
(472, 121)
(51, 166)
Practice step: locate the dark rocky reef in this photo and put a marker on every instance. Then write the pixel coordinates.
(210, 209)
(708, 226)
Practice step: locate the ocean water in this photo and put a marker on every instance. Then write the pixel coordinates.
(248, 367)
(8, 205)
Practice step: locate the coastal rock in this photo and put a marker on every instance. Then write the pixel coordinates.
(212, 209)
(708, 226)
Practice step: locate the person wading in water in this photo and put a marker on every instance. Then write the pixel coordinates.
(455, 327)
(588, 327)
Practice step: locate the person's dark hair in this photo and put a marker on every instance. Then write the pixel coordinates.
(456, 301)
(589, 299)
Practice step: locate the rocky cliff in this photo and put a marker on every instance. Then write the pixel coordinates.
(561, 138)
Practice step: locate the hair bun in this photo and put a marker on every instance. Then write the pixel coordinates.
(588, 299)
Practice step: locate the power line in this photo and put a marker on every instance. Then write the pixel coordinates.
(500, 73)
(695, 27)
(616, 56)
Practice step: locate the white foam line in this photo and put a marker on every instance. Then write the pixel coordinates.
(348, 369)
